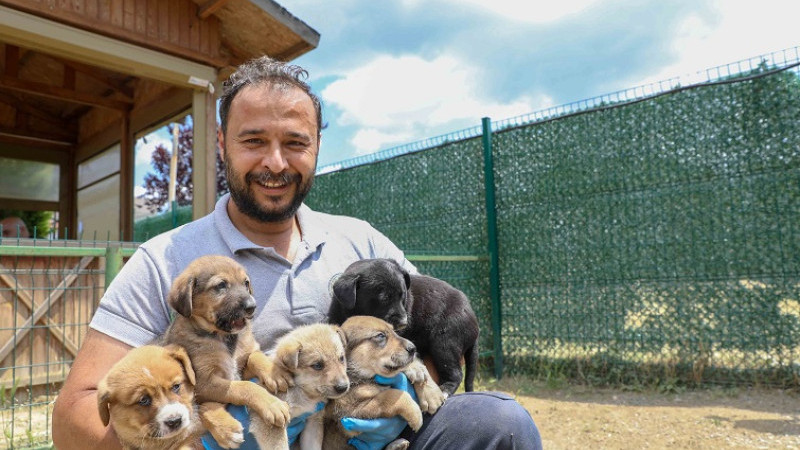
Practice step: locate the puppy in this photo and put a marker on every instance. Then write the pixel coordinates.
(214, 302)
(315, 356)
(148, 397)
(435, 316)
(373, 348)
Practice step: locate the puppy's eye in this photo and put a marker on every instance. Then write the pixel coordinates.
(380, 339)
(221, 286)
(145, 400)
(341, 359)
(176, 388)
(247, 284)
(319, 365)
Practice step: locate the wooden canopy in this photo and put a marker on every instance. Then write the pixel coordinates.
(79, 77)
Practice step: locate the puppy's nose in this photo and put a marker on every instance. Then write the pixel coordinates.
(411, 348)
(341, 387)
(249, 306)
(173, 423)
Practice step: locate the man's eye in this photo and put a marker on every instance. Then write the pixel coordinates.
(145, 400)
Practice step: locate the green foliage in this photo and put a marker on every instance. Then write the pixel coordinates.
(40, 221)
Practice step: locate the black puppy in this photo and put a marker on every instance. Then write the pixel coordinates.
(429, 312)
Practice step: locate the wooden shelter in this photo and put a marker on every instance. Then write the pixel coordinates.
(80, 79)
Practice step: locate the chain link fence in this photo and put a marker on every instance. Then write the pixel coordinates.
(648, 236)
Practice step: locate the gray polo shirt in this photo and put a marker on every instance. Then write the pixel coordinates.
(134, 309)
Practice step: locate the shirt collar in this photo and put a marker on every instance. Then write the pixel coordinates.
(313, 231)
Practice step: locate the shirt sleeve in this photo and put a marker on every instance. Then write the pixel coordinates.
(382, 247)
(134, 308)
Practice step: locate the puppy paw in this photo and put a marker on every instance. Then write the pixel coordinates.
(430, 396)
(415, 419)
(416, 372)
(227, 433)
(277, 379)
(272, 376)
(274, 411)
(398, 444)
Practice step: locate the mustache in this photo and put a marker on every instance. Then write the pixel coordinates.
(270, 177)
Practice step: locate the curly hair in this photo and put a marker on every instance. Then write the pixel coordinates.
(267, 71)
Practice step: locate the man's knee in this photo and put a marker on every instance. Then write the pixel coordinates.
(480, 420)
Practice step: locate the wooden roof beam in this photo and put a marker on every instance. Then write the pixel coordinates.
(60, 93)
(209, 8)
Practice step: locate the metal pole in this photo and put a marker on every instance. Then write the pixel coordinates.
(491, 228)
(113, 263)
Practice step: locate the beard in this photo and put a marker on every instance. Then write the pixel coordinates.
(244, 197)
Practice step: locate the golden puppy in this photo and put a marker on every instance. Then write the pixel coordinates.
(373, 348)
(315, 356)
(214, 302)
(148, 397)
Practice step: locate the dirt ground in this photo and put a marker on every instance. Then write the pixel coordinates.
(577, 417)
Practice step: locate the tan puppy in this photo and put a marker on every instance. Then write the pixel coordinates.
(373, 348)
(214, 302)
(315, 356)
(148, 397)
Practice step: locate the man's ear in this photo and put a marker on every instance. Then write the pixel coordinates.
(221, 142)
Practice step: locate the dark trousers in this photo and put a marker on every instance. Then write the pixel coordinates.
(479, 421)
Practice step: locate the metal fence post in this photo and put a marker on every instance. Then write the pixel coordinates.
(494, 268)
(113, 263)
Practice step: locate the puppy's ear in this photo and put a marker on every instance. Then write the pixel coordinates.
(180, 296)
(342, 336)
(102, 402)
(406, 277)
(344, 290)
(290, 354)
(182, 357)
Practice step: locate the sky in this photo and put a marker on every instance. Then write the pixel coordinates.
(392, 72)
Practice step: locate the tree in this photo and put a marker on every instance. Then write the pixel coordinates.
(156, 183)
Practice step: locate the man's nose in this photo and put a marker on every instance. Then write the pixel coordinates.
(274, 159)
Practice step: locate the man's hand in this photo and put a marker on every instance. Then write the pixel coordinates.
(377, 433)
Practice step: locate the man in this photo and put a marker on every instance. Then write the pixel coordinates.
(269, 139)
(14, 227)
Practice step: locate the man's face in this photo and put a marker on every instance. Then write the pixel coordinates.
(270, 150)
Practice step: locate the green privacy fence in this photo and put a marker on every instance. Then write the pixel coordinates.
(646, 236)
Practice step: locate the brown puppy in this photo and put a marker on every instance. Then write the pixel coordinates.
(148, 397)
(373, 348)
(214, 302)
(315, 356)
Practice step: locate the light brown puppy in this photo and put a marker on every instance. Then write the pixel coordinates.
(373, 348)
(148, 397)
(214, 302)
(315, 356)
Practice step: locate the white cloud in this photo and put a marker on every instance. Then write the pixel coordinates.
(531, 12)
(369, 140)
(144, 150)
(395, 99)
(138, 191)
(740, 30)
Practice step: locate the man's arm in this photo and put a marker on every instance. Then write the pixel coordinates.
(76, 421)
